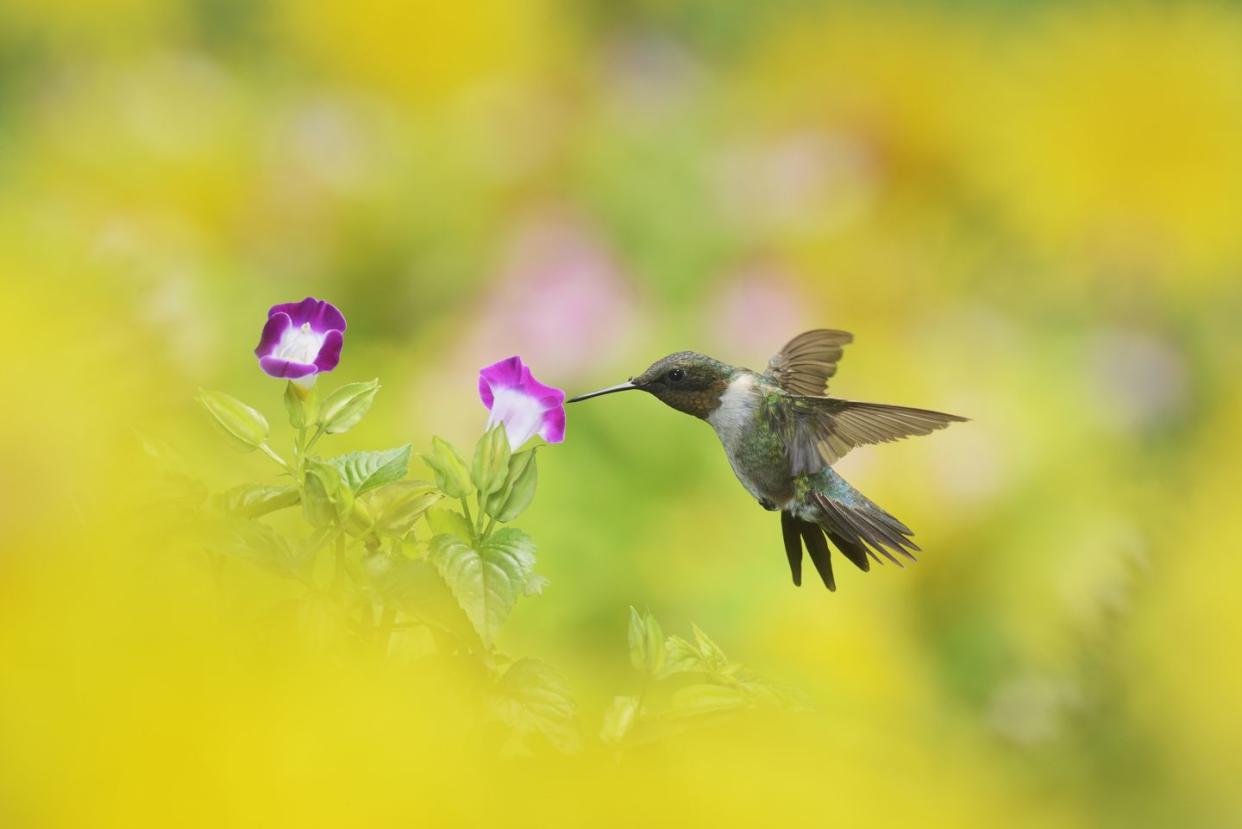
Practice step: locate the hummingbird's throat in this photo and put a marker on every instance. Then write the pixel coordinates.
(700, 403)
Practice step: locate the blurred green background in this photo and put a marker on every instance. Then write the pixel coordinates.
(1026, 212)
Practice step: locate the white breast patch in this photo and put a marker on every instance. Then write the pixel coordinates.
(736, 409)
(732, 419)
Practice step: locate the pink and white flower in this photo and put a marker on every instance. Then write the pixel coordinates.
(301, 340)
(525, 406)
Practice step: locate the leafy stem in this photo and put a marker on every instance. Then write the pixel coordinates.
(314, 438)
(483, 532)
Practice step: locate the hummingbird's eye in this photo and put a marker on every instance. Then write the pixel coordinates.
(676, 375)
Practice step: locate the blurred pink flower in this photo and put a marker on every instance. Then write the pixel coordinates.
(758, 311)
(1139, 377)
(810, 181)
(560, 300)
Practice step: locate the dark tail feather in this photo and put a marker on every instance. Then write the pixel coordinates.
(793, 546)
(796, 533)
(817, 549)
(856, 553)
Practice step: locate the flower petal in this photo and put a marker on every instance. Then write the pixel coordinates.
(277, 367)
(552, 426)
(504, 374)
(549, 396)
(321, 314)
(330, 351)
(275, 328)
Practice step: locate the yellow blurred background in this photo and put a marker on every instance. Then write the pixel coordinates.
(1025, 211)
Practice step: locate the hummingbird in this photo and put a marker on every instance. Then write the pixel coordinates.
(782, 434)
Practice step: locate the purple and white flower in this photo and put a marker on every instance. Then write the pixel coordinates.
(525, 406)
(301, 339)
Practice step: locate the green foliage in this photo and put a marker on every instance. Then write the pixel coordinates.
(300, 405)
(619, 718)
(488, 577)
(450, 470)
(646, 643)
(326, 498)
(682, 682)
(533, 698)
(396, 507)
(245, 428)
(491, 461)
(704, 655)
(364, 471)
(445, 521)
(517, 490)
(257, 500)
(249, 540)
(344, 408)
(380, 551)
(706, 698)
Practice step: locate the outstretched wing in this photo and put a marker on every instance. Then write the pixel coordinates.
(819, 431)
(806, 362)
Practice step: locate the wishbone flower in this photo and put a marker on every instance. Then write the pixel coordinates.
(525, 406)
(301, 339)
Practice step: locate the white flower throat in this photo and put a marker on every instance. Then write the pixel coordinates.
(300, 345)
(521, 414)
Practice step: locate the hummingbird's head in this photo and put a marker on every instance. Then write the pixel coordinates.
(687, 381)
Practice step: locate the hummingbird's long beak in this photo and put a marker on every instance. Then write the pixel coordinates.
(626, 386)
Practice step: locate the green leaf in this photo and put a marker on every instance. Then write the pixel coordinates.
(253, 541)
(535, 585)
(486, 578)
(697, 700)
(619, 719)
(343, 408)
(491, 461)
(770, 693)
(713, 657)
(246, 428)
(681, 657)
(418, 587)
(363, 471)
(309, 552)
(646, 643)
(445, 521)
(254, 501)
(451, 474)
(358, 519)
(325, 497)
(518, 491)
(398, 506)
(532, 697)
